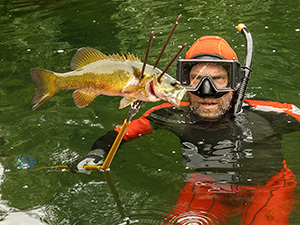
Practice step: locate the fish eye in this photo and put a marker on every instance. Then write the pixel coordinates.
(173, 83)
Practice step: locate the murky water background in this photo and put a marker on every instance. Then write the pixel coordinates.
(46, 34)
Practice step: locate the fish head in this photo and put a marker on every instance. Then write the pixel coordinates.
(168, 89)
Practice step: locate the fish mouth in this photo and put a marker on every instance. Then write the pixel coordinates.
(177, 99)
(151, 88)
(175, 102)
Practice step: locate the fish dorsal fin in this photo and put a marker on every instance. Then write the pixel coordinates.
(131, 57)
(125, 101)
(85, 56)
(127, 57)
(83, 98)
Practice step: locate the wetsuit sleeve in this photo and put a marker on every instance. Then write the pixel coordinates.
(143, 125)
(105, 142)
(135, 129)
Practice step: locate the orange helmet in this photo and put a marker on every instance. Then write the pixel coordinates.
(211, 46)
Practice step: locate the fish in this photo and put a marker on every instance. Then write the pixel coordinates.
(95, 73)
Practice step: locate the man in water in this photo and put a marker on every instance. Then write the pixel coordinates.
(227, 151)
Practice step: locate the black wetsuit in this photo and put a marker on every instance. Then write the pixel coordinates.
(239, 167)
(234, 149)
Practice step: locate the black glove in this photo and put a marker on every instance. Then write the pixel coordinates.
(93, 158)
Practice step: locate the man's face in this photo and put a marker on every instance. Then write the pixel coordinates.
(209, 108)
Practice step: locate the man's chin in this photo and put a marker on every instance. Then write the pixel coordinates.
(209, 115)
(209, 110)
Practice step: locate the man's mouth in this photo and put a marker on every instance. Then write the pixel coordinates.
(209, 105)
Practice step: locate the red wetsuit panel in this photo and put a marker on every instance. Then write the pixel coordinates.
(203, 199)
(272, 203)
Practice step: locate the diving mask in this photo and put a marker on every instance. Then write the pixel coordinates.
(199, 82)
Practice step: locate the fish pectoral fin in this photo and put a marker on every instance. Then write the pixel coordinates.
(132, 88)
(83, 98)
(126, 102)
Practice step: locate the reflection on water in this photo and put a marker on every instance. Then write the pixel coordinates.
(147, 173)
(205, 201)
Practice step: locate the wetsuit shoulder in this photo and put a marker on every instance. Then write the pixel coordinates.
(164, 106)
(148, 121)
(166, 114)
(283, 116)
(267, 105)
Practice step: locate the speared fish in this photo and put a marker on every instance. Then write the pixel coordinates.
(95, 73)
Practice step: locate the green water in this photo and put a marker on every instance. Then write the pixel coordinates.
(147, 173)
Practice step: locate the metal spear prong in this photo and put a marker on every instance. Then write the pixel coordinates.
(170, 63)
(167, 41)
(146, 56)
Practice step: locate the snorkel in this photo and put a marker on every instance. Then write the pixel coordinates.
(245, 69)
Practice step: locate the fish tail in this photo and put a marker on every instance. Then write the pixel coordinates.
(45, 82)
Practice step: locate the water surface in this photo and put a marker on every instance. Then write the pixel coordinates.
(46, 34)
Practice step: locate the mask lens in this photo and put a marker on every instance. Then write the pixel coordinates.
(224, 74)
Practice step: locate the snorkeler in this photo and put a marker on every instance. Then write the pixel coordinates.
(226, 147)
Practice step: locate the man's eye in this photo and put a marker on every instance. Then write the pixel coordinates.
(217, 78)
(197, 77)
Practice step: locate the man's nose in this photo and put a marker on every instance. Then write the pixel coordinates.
(206, 88)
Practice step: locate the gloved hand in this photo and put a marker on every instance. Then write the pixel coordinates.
(93, 158)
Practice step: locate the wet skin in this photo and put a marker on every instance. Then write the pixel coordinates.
(210, 109)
